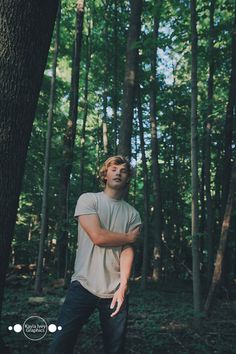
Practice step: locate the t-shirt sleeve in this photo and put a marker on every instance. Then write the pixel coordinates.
(86, 205)
(135, 220)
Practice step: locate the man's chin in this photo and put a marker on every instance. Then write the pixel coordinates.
(118, 186)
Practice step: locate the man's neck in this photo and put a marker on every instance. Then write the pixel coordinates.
(113, 193)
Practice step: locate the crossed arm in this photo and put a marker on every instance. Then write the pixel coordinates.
(106, 238)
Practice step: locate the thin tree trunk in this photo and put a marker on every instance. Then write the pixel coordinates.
(68, 147)
(83, 134)
(207, 143)
(106, 84)
(175, 210)
(124, 147)
(231, 106)
(145, 192)
(44, 210)
(223, 241)
(228, 134)
(155, 154)
(194, 164)
(115, 86)
(23, 59)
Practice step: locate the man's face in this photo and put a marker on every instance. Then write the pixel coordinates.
(117, 176)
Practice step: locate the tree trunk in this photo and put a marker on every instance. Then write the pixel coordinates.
(229, 130)
(223, 241)
(145, 192)
(106, 85)
(229, 120)
(176, 216)
(23, 59)
(83, 134)
(68, 147)
(44, 211)
(207, 144)
(124, 147)
(157, 220)
(194, 163)
(115, 85)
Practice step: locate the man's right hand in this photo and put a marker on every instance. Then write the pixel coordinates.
(134, 234)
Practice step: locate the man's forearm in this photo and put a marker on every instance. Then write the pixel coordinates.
(107, 238)
(126, 262)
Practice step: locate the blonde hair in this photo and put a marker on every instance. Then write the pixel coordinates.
(114, 160)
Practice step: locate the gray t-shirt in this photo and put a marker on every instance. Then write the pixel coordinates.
(97, 268)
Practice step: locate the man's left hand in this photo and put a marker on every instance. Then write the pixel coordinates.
(118, 298)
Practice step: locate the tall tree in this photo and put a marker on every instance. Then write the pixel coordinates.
(85, 113)
(157, 217)
(194, 162)
(230, 113)
(106, 82)
(44, 210)
(68, 146)
(115, 74)
(145, 191)
(24, 50)
(223, 241)
(207, 143)
(124, 147)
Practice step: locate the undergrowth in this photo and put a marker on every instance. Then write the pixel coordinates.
(160, 321)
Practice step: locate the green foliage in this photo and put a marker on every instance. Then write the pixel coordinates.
(108, 38)
(160, 321)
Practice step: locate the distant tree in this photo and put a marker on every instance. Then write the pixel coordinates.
(145, 191)
(156, 175)
(124, 147)
(25, 35)
(207, 144)
(223, 242)
(115, 74)
(230, 114)
(194, 163)
(68, 145)
(85, 113)
(44, 210)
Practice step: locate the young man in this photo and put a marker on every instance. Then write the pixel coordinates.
(107, 228)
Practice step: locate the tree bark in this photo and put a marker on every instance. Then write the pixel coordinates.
(194, 163)
(25, 35)
(157, 219)
(44, 210)
(145, 192)
(115, 73)
(68, 147)
(207, 144)
(124, 147)
(106, 85)
(223, 241)
(83, 134)
(228, 131)
(176, 216)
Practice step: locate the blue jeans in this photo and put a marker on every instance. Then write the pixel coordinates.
(78, 306)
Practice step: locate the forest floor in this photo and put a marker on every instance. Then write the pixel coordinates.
(160, 321)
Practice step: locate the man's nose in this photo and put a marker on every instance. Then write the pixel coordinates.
(118, 173)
